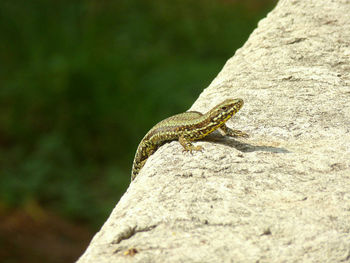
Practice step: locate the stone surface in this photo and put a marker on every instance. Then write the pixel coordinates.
(282, 195)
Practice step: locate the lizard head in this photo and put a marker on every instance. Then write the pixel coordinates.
(225, 110)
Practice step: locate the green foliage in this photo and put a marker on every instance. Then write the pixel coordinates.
(82, 82)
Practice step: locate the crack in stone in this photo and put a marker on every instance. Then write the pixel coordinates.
(131, 231)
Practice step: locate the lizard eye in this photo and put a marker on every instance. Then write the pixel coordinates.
(224, 108)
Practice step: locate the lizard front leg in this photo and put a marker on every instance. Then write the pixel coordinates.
(233, 133)
(187, 144)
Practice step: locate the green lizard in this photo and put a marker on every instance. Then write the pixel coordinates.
(187, 127)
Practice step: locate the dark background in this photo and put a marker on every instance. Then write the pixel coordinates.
(81, 82)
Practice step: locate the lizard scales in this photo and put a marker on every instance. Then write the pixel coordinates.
(187, 127)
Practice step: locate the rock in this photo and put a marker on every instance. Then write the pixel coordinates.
(282, 195)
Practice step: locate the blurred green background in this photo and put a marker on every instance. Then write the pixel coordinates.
(81, 82)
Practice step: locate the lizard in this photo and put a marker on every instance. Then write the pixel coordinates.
(187, 127)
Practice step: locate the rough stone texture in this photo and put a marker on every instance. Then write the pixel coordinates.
(282, 195)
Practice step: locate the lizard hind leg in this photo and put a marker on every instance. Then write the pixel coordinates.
(187, 145)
